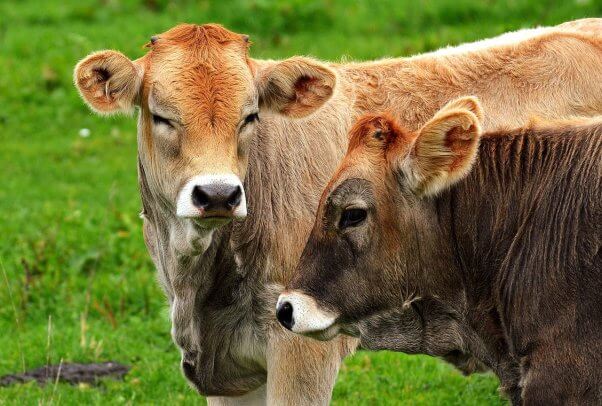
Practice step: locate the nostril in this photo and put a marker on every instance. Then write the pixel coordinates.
(199, 198)
(284, 314)
(235, 198)
(188, 369)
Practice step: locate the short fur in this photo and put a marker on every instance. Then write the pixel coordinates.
(505, 265)
(222, 282)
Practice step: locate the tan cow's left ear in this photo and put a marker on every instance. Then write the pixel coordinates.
(446, 147)
(295, 87)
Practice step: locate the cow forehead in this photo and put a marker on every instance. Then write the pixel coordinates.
(357, 163)
(201, 76)
(200, 88)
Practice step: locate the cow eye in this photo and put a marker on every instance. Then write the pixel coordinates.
(251, 118)
(161, 120)
(352, 217)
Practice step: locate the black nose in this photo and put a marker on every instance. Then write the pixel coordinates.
(284, 314)
(217, 197)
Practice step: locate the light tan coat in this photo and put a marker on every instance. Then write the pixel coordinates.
(201, 87)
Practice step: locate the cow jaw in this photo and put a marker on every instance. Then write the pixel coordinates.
(301, 314)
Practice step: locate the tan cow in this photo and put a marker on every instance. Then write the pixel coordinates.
(493, 242)
(222, 136)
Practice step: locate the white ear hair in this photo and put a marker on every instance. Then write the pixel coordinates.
(470, 103)
(446, 147)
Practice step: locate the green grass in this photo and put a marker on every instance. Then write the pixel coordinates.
(76, 283)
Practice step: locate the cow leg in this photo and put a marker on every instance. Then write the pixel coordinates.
(560, 375)
(544, 386)
(253, 398)
(302, 371)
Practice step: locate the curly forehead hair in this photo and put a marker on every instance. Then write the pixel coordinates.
(196, 37)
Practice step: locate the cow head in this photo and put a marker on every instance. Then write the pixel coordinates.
(200, 98)
(375, 237)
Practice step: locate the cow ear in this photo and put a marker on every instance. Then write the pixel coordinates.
(295, 87)
(470, 103)
(446, 146)
(108, 81)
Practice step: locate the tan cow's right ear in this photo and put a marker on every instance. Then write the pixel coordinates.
(108, 81)
(295, 87)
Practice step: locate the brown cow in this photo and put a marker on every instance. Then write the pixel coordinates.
(211, 118)
(494, 243)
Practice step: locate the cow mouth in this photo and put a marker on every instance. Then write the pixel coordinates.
(326, 334)
(338, 327)
(216, 217)
(211, 221)
(301, 314)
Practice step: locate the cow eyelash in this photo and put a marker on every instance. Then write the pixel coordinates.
(251, 118)
(352, 217)
(161, 120)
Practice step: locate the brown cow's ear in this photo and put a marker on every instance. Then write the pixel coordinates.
(108, 81)
(470, 103)
(446, 147)
(295, 87)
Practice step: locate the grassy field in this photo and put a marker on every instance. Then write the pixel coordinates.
(76, 283)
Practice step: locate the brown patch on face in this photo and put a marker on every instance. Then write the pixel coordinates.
(372, 140)
(198, 37)
(375, 139)
(375, 130)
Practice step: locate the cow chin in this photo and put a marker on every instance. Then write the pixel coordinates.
(189, 239)
(207, 224)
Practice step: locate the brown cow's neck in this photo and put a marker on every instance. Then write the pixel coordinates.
(515, 223)
(516, 175)
(421, 83)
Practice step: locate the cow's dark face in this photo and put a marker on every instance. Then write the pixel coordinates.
(344, 270)
(365, 255)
